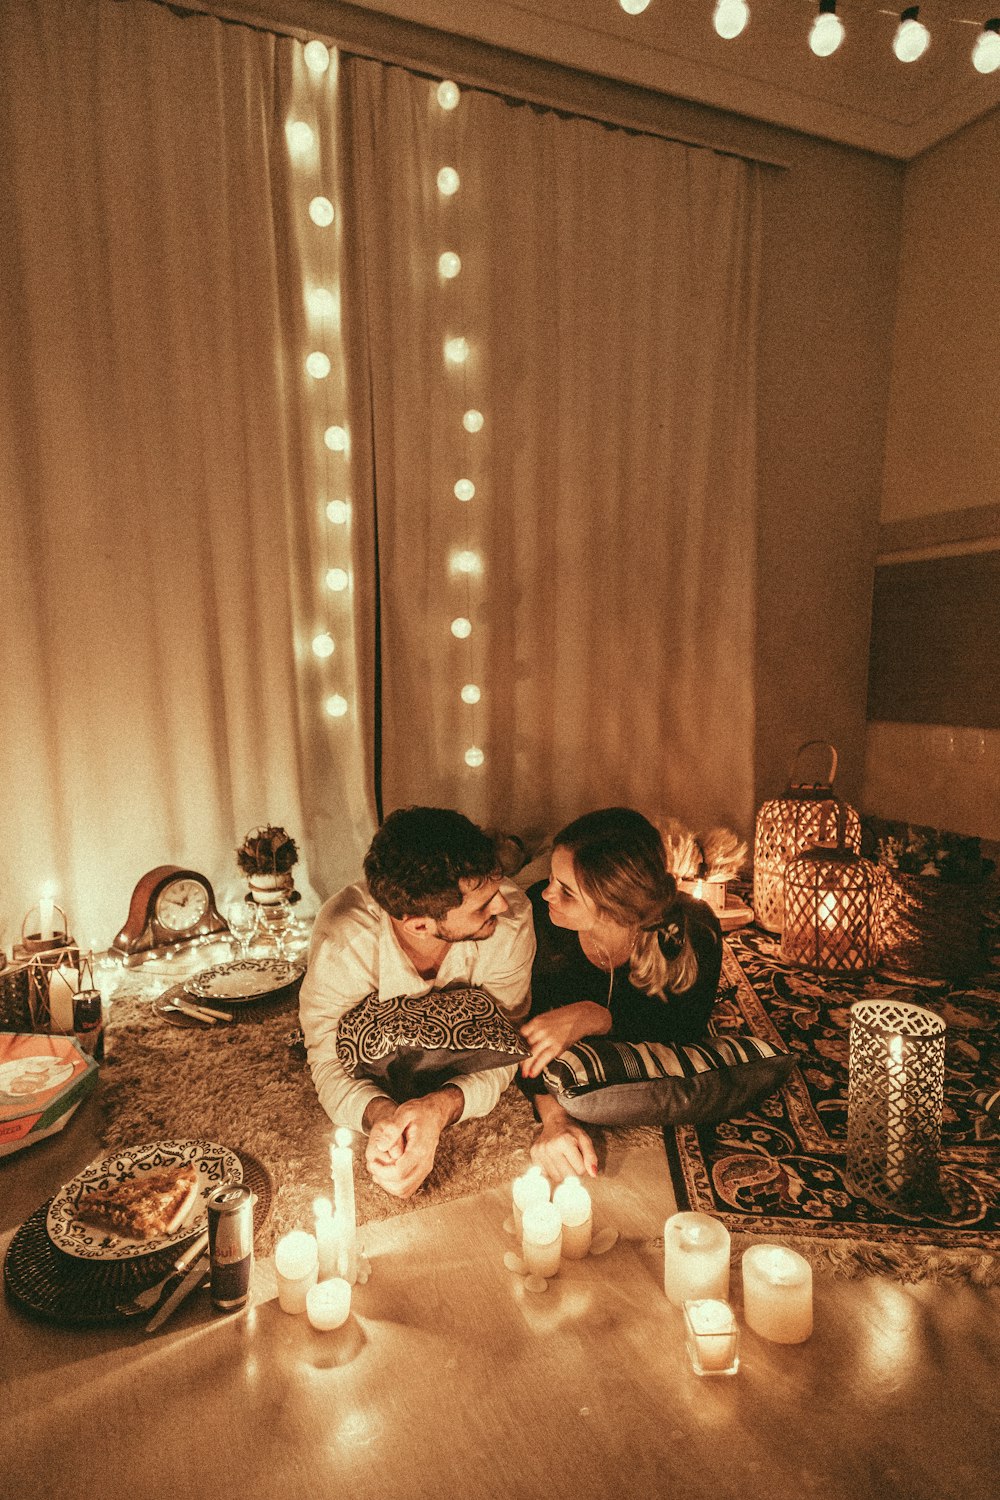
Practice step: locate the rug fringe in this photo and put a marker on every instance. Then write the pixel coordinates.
(850, 1259)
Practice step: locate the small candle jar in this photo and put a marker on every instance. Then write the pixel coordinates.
(327, 1239)
(577, 1215)
(528, 1190)
(541, 1239)
(712, 1337)
(695, 1258)
(777, 1294)
(296, 1264)
(328, 1303)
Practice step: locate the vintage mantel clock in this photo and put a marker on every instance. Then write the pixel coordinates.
(170, 906)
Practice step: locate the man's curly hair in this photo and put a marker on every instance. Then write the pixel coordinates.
(419, 856)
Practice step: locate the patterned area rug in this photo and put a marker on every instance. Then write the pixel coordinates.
(780, 1170)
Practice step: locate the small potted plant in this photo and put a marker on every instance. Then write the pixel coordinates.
(266, 858)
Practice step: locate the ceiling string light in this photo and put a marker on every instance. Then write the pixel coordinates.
(465, 564)
(323, 370)
(910, 41)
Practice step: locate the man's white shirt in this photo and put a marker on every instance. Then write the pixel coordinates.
(354, 951)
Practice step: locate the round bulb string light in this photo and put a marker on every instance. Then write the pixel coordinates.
(910, 40)
(322, 364)
(466, 562)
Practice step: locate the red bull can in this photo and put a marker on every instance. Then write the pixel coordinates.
(230, 1244)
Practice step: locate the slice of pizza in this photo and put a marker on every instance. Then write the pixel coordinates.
(144, 1207)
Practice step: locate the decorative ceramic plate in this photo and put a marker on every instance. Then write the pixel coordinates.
(243, 979)
(216, 1165)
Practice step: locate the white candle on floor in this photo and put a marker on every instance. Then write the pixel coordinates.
(695, 1258)
(541, 1239)
(777, 1294)
(63, 985)
(295, 1264)
(576, 1212)
(327, 1240)
(712, 1336)
(328, 1303)
(528, 1190)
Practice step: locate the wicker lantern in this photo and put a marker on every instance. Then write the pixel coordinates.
(802, 818)
(894, 1102)
(833, 909)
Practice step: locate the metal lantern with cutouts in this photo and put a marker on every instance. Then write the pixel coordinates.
(894, 1101)
(833, 905)
(802, 818)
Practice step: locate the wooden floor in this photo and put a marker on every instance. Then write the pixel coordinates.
(450, 1382)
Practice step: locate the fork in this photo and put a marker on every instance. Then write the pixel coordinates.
(143, 1301)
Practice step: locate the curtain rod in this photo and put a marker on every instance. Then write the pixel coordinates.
(376, 37)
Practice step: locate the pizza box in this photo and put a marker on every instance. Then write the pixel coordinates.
(42, 1080)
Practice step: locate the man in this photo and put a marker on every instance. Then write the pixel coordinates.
(434, 915)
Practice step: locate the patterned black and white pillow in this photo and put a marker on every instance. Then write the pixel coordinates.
(413, 1044)
(650, 1083)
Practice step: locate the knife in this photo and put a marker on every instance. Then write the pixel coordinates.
(193, 1277)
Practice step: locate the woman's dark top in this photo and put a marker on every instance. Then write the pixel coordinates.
(562, 975)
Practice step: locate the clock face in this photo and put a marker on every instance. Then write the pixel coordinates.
(181, 905)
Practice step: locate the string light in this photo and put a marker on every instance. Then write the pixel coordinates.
(336, 705)
(448, 94)
(339, 512)
(449, 265)
(633, 7)
(473, 421)
(464, 489)
(827, 30)
(337, 580)
(321, 212)
(467, 562)
(471, 693)
(318, 365)
(456, 351)
(447, 181)
(986, 52)
(336, 439)
(323, 304)
(461, 628)
(474, 756)
(912, 37)
(317, 57)
(323, 645)
(731, 18)
(299, 135)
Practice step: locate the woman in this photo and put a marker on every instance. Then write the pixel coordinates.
(621, 954)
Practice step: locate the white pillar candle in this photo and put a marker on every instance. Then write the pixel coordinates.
(46, 913)
(296, 1264)
(712, 1337)
(577, 1214)
(541, 1239)
(777, 1294)
(528, 1190)
(695, 1258)
(895, 1132)
(328, 1303)
(63, 985)
(327, 1239)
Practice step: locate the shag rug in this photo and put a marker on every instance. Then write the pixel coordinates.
(248, 1086)
(779, 1170)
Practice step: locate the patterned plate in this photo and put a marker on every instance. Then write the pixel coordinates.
(216, 1164)
(243, 979)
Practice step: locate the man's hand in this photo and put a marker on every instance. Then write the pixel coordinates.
(554, 1030)
(562, 1148)
(402, 1145)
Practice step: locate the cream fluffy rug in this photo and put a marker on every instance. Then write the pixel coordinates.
(244, 1087)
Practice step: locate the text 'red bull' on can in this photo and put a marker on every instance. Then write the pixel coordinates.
(230, 1244)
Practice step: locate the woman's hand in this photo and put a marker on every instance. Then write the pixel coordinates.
(562, 1148)
(554, 1030)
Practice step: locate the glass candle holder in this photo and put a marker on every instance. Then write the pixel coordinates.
(712, 1337)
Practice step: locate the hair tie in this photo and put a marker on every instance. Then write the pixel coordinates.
(670, 935)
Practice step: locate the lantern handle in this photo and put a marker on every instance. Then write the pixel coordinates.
(795, 760)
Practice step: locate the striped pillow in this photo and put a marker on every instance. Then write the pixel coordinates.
(649, 1083)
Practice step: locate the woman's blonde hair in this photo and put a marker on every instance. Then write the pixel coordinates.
(620, 863)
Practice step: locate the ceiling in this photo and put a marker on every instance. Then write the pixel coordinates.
(861, 96)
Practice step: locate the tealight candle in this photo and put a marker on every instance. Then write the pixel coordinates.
(577, 1215)
(777, 1294)
(63, 985)
(296, 1265)
(695, 1258)
(328, 1303)
(530, 1189)
(327, 1239)
(541, 1239)
(712, 1337)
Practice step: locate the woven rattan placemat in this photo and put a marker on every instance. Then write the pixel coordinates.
(85, 1293)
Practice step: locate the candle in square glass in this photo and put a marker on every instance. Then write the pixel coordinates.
(895, 1098)
(712, 1338)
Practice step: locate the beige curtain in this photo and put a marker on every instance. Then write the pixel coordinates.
(607, 293)
(163, 475)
